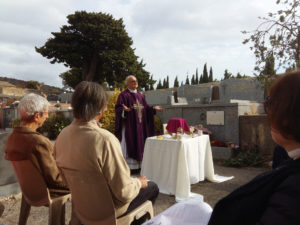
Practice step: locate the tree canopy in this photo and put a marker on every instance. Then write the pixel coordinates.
(96, 47)
(32, 84)
(278, 34)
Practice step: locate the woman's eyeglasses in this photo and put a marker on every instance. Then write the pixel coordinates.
(267, 103)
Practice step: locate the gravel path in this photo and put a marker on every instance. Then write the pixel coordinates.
(212, 192)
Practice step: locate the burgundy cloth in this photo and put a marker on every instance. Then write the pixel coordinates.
(135, 132)
(174, 123)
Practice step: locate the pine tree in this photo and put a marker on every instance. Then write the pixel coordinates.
(197, 77)
(187, 81)
(205, 74)
(181, 83)
(176, 83)
(210, 78)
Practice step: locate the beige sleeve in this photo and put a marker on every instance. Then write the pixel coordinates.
(117, 173)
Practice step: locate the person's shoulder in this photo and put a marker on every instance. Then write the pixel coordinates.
(126, 91)
(106, 136)
(40, 139)
(105, 133)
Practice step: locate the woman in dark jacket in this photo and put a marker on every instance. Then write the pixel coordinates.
(272, 198)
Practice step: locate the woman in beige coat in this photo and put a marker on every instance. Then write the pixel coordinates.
(92, 162)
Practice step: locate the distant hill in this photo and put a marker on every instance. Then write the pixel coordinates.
(47, 89)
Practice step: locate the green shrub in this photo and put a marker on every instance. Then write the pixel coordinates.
(16, 122)
(109, 116)
(53, 125)
(158, 129)
(57, 105)
(245, 158)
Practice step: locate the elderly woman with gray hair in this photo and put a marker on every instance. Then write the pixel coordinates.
(92, 162)
(25, 143)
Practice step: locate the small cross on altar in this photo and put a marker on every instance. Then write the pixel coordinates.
(139, 109)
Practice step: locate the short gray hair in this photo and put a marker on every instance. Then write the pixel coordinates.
(31, 104)
(88, 100)
(126, 79)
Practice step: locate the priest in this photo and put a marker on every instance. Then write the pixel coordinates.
(134, 123)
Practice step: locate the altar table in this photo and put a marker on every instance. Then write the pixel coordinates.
(176, 164)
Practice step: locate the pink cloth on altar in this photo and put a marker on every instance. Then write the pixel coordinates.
(174, 123)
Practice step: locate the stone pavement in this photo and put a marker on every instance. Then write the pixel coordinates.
(212, 192)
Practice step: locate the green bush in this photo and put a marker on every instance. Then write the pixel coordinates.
(244, 158)
(57, 105)
(158, 129)
(53, 125)
(16, 122)
(109, 116)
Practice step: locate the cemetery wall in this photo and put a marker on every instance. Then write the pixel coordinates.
(236, 124)
(8, 182)
(197, 114)
(255, 134)
(195, 94)
(242, 89)
(158, 97)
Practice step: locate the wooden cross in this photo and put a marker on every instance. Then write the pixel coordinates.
(139, 109)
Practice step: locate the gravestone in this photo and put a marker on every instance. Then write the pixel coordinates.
(195, 94)
(180, 101)
(241, 89)
(158, 97)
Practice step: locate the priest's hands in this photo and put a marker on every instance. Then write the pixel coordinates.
(158, 108)
(125, 108)
(143, 181)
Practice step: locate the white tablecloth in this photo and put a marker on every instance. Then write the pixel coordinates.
(191, 212)
(176, 164)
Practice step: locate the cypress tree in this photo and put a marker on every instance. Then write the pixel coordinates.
(205, 74)
(239, 75)
(164, 83)
(151, 87)
(167, 82)
(197, 77)
(201, 79)
(187, 81)
(193, 79)
(227, 75)
(159, 86)
(176, 83)
(210, 78)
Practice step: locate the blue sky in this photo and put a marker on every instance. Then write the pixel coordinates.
(173, 37)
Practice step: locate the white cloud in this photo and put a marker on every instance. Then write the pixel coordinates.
(173, 37)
